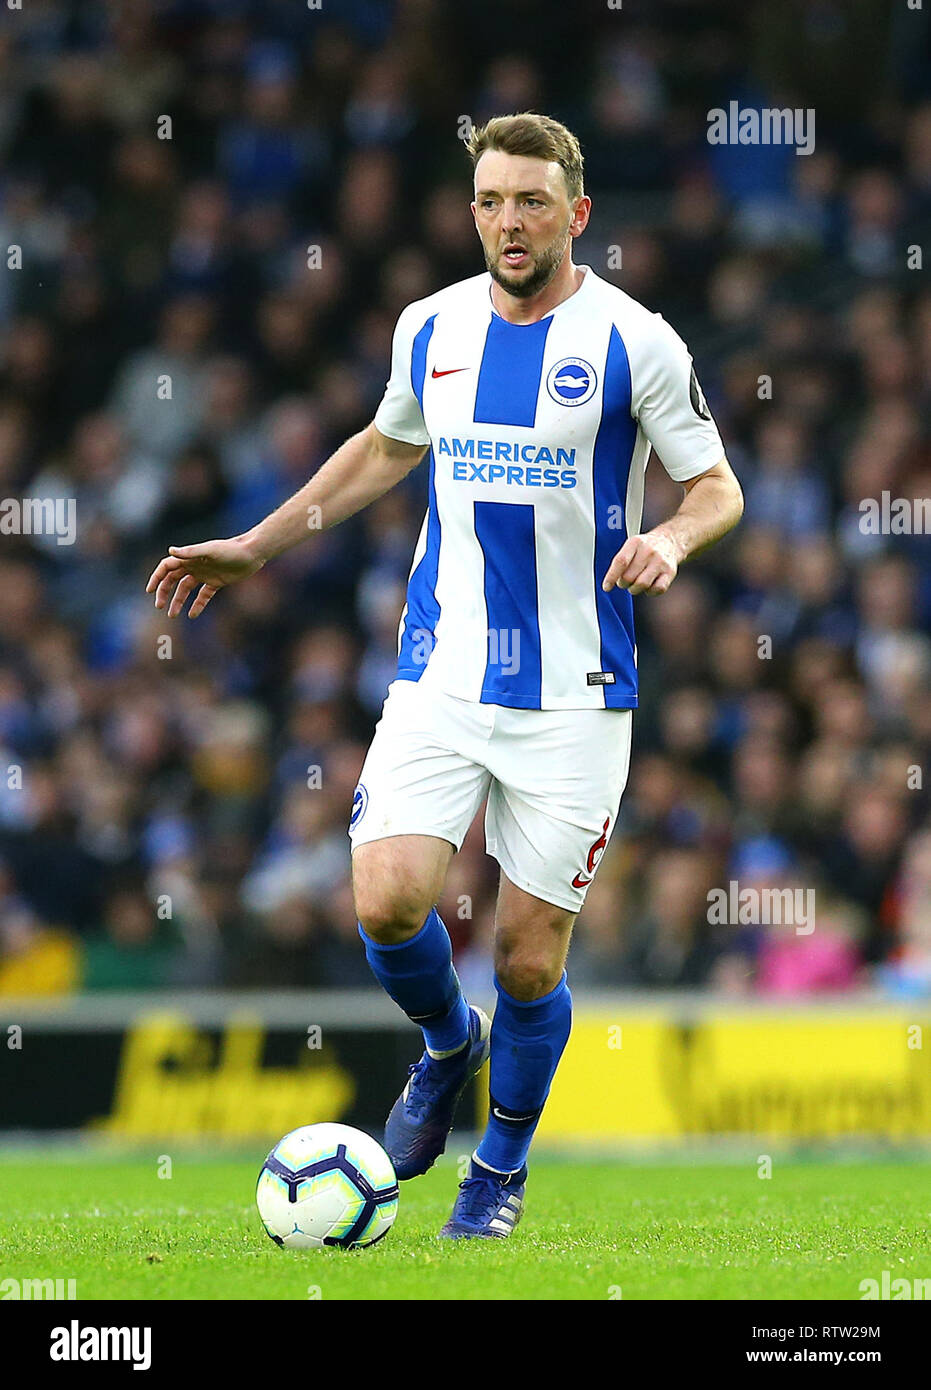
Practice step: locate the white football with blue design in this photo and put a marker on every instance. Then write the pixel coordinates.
(327, 1184)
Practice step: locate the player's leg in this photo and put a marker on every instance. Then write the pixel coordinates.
(418, 793)
(533, 1017)
(396, 882)
(559, 780)
(531, 1026)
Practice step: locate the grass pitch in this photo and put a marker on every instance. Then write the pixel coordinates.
(591, 1230)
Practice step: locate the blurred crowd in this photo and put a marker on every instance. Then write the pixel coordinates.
(174, 797)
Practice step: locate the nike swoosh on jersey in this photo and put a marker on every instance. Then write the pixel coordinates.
(448, 372)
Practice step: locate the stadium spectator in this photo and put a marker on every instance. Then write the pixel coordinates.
(198, 320)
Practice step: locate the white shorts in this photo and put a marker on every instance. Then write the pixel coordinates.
(553, 779)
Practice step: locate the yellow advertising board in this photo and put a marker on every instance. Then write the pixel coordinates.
(797, 1075)
(228, 1093)
(639, 1072)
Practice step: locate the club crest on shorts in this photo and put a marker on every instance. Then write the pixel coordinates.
(572, 381)
(360, 800)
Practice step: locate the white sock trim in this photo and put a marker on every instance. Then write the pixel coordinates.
(500, 1172)
(439, 1056)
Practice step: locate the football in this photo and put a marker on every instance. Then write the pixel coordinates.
(327, 1184)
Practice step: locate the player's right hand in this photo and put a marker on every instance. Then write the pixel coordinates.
(208, 568)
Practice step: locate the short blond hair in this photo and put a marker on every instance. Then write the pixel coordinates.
(538, 137)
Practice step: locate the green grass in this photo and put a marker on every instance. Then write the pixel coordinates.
(707, 1231)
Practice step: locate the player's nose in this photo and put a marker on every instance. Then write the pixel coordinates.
(510, 219)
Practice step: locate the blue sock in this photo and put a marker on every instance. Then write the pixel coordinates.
(527, 1041)
(418, 974)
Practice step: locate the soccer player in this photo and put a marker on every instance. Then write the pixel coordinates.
(538, 390)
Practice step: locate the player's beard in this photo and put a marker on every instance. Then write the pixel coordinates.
(545, 265)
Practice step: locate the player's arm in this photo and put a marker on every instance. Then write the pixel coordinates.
(647, 564)
(670, 408)
(368, 465)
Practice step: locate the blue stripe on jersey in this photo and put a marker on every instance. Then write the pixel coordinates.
(614, 446)
(423, 611)
(419, 358)
(513, 672)
(509, 376)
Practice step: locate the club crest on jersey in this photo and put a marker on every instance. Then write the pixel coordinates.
(360, 800)
(572, 381)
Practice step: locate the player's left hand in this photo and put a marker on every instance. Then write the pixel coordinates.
(644, 564)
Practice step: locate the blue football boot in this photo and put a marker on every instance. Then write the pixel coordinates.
(422, 1116)
(489, 1204)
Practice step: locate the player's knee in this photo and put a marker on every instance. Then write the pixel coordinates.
(527, 975)
(387, 916)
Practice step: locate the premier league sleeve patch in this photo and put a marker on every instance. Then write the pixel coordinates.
(697, 397)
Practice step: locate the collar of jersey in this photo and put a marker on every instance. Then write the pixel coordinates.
(555, 310)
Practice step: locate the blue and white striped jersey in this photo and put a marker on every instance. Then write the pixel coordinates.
(539, 439)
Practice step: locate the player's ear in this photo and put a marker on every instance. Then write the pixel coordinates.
(580, 216)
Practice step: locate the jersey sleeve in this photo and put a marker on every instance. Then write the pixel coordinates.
(399, 415)
(670, 406)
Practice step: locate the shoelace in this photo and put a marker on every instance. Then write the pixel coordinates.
(416, 1098)
(481, 1200)
(419, 1094)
